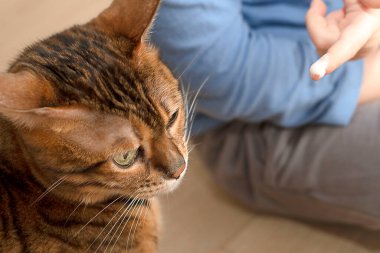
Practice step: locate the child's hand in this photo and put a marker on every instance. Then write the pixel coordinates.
(347, 34)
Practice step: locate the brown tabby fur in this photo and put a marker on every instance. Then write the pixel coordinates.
(68, 105)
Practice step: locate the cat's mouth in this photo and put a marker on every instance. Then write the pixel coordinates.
(165, 185)
(172, 184)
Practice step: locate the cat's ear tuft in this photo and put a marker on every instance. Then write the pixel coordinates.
(129, 18)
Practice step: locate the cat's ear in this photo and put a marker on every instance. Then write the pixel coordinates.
(129, 18)
(23, 90)
(53, 118)
(22, 99)
(53, 126)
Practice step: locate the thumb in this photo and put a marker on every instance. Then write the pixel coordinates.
(316, 21)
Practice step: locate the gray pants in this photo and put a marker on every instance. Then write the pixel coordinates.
(315, 172)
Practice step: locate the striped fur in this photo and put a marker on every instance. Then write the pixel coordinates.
(90, 68)
(69, 105)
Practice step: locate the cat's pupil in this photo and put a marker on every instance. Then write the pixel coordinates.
(130, 155)
(127, 159)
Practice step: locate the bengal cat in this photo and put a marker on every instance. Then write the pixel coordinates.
(92, 128)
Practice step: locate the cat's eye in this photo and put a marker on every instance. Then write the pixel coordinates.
(172, 119)
(125, 160)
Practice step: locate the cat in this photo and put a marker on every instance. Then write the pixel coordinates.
(92, 128)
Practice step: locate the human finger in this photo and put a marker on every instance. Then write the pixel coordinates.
(370, 3)
(352, 39)
(316, 21)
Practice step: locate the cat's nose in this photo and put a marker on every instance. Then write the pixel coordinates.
(177, 169)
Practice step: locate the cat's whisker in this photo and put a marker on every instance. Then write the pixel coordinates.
(122, 217)
(124, 213)
(186, 98)
(101, 232)
(148, 176)
(187, 118)
(193, 106)
(139, 219)
(193, 146)
(80, 230)
(110, 230)
(191, 123)
(109, 222)
(135, 219)
(125, 224)
(198, 92)
(121, 232)
(193, 113)
(190, 64)
(68, 218)
(50, 188)
(188, 137)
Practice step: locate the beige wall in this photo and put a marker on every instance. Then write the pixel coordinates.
(25, 21)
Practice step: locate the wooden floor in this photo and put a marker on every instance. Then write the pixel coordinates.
(198, 218)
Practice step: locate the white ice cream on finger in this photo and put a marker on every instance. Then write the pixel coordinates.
(319, 68)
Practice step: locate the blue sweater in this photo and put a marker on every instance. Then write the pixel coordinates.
(254, 57)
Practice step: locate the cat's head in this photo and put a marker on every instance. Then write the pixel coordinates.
(97, 111)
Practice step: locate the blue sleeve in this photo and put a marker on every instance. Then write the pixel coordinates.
(250, 75)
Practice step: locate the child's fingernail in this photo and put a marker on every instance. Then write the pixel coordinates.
(319, 68)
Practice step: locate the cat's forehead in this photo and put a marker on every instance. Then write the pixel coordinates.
(89, 67)
(160, 83)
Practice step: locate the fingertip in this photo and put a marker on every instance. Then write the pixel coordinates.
(316, 76)
(318, 6)
(319, 69)
(316, 19)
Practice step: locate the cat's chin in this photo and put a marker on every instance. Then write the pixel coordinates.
(171, 185)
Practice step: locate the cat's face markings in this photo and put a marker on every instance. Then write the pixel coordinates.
(85, 146)
(82, 144)
(100, 154)
(168, 151)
